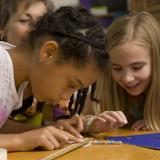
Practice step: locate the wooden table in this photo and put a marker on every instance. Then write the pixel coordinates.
(97, 152)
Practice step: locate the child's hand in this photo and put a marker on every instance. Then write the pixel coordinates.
(74, 125)
(139, 125)
(108, 120)
(48, 138)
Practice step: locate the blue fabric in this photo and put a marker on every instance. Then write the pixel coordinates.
(151, 140)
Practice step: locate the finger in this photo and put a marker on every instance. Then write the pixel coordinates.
(60, 127)
(108, 118)
(52, 141)
(48, 142)
(74, 125)
(123, 116)
(72, 137)
(79, 123)
(138, 125)
(58, 134)
(117, 116)
(133, 127)
(103, 120)
(145, 128)
(73, 131)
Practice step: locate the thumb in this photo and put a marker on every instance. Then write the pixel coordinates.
(78, 122)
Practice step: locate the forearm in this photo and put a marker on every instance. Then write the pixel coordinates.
(10, 141)
(15, 127)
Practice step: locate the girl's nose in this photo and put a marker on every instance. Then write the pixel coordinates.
(127, 77)
(64, 103)
(65, 96)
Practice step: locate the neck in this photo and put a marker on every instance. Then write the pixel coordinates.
(21, 61)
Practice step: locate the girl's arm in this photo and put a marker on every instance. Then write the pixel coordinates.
(9, 141)
(16, 127)
(48, 138)
(106, 121)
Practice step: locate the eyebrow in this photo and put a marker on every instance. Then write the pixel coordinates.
(136, 63)
(115, 64)
(29, 15)
(80, 83)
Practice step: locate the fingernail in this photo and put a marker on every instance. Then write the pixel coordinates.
(126, 121)
(80, 140)
(80, 136)
(70, 142)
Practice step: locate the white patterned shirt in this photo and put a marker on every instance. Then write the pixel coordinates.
(10, 99)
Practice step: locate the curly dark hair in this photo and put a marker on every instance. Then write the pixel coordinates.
(81, 40)
(80, 37)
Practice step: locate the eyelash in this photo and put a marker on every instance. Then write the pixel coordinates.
(72, 86)
(117, 69)
(24, 20)
(137, 67)
(134, 68)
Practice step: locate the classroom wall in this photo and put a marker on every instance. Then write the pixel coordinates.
(59, 3)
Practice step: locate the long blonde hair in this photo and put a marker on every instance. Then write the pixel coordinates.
(142, 28)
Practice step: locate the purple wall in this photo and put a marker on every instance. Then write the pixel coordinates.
(86, 3)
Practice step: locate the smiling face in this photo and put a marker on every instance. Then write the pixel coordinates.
(131, 67)
(20, 23)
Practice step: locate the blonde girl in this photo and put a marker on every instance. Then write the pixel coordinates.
(132, 84)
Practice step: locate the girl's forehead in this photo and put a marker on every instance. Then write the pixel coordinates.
(24, 4)
(130, 53)
(21, 7)
(29, 8)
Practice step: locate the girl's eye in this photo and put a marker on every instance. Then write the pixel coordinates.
(24, 21)
(72, 86)
(117, 68)
(137, 67)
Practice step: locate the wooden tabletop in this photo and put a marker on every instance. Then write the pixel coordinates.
(97, 152)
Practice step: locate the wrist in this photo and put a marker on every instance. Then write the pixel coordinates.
(89, 119)
(17, 141)
(11, 142)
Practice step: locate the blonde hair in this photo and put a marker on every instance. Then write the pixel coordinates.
(144, 29)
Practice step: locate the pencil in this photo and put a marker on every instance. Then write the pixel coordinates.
(65, 150)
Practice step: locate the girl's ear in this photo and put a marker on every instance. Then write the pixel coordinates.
(48, 50)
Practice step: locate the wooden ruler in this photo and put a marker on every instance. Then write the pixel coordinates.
(65, 150)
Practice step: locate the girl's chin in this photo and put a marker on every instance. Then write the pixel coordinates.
(134, 91)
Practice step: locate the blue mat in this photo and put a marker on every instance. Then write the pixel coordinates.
(151, 140)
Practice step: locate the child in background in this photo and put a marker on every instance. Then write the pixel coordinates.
(132, 83)
(65, 52)
(19, 16)
(17, 20)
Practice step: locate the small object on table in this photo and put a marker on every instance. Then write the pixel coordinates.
(106, 142)
(3, 154)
